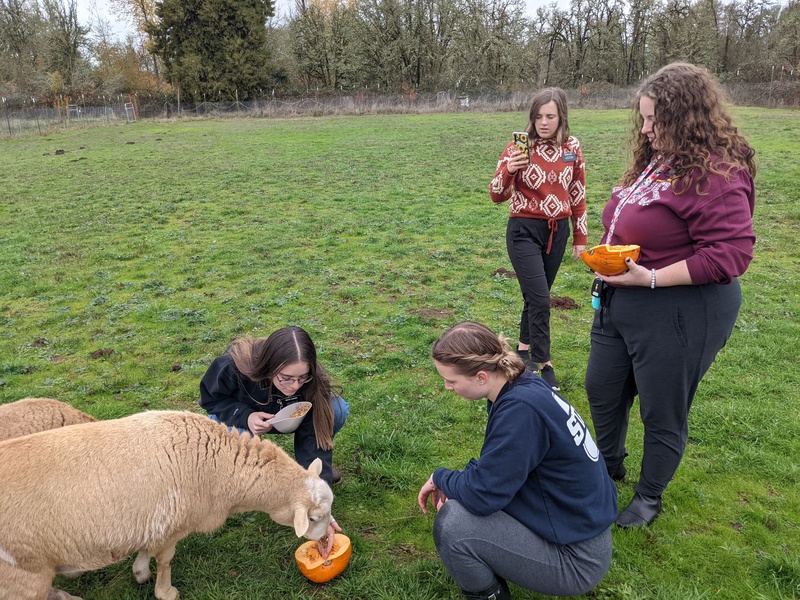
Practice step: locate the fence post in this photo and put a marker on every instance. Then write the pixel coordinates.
(771, 79)
(8, 121)
(36, 114)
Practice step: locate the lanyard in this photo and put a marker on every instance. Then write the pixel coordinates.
(647, 178)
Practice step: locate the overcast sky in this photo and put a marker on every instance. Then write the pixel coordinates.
(87, 9)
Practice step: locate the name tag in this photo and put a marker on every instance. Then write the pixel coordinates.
(569, 157)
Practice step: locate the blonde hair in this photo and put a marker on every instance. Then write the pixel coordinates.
(470, 347)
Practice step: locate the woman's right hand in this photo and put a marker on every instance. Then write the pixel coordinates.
(517, 162)
(428, 490)
(257, 423)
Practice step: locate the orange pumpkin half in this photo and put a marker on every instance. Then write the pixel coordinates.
(610, 260)
(318, 569)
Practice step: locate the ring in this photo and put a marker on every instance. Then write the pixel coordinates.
(333, 520)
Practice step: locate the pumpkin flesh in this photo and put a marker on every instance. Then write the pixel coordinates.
(318, 569)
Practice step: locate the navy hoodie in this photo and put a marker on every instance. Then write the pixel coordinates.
(538, 464)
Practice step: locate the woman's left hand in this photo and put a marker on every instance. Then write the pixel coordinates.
(325, 545)
(576, 251)
(636, 275)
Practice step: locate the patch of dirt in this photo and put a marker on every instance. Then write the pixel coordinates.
(563, 303)
(39, 343)
(102, 352)
(432, 314)
(177, 366)
(57, 358)
(502, 272)
(59, 152)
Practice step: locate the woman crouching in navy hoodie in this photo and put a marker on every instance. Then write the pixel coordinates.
(537, 507)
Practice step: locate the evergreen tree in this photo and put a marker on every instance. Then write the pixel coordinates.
(214, 49)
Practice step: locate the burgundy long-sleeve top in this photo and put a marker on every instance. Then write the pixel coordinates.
(712, 231)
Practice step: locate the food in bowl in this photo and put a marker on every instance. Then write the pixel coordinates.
(287, 419)
(300, 412)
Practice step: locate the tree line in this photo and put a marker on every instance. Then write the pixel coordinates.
(236, 49)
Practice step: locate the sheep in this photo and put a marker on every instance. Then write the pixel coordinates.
(31, 415)
(80, 498)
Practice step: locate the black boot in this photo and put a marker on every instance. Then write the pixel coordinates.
(617, 473)
(499, 591)
(642, 511)
(525, 355)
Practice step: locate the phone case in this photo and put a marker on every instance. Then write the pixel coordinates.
(522, 143)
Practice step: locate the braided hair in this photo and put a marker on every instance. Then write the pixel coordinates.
(470, 347)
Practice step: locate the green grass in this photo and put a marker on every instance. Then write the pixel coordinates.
(132, 259)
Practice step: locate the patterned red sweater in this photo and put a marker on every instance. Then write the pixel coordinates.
(552, 187)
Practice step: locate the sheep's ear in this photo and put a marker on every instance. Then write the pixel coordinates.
(300, 520)
(315, 467)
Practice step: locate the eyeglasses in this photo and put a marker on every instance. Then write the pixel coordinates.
(284, 380)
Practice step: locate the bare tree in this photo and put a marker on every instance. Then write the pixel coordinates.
(65, 38)
(323, 41)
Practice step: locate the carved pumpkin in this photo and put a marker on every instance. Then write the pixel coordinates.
(318, 569)
(609, 260)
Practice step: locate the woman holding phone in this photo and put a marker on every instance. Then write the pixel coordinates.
(544, 192)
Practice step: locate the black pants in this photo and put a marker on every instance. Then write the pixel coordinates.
(657, 344)
(536, 269)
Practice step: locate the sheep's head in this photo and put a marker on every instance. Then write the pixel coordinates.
(310, 512)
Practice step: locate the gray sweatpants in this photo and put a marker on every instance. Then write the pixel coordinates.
(475, 550)
(657, 344)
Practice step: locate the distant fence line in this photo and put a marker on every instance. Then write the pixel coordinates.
(30, 117)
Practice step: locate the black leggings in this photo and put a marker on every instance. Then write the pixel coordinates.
(657, 344)
(536, 269)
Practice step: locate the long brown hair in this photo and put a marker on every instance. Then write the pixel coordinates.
(542, 97)
(693, 122)
(470, 347)
(261, 359)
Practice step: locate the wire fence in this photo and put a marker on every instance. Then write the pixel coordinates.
(29, 117)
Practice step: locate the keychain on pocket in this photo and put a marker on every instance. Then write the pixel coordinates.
(597, 293)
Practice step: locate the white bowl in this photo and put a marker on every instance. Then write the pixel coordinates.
(283, 420)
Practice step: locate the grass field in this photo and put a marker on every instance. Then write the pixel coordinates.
(131, 256)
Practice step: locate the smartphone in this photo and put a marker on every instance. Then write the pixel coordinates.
(522, 143)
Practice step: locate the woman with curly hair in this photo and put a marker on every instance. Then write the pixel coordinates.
(687, 200)
(536, 508)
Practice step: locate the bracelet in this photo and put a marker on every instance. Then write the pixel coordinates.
(652, 279)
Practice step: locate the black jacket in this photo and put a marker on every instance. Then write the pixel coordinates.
(232, 398)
